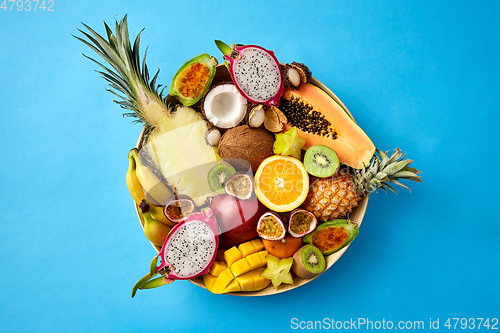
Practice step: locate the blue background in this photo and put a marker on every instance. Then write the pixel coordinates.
(419, 75)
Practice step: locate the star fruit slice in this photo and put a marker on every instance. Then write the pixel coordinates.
(289, 143)
(278, 270)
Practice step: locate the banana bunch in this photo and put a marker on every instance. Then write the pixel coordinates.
(145, 187)
(240, 270)
(143, 183)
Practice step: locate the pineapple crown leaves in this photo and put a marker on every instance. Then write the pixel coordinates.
(126, 74)
(384, 170)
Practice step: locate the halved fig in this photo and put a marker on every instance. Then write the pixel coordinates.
(239, 185)
(271, 227)
(301, 222)
(178, 207)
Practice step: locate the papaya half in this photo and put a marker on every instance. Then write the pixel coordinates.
(322, 121)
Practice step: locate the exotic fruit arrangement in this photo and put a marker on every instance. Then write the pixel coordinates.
(250, 177)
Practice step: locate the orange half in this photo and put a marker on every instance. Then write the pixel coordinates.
(281, 183)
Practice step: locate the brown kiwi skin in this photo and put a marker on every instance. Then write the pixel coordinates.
(298, 267)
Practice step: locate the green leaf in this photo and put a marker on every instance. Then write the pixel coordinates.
(140, 283)
(152, 266)
(223, 47)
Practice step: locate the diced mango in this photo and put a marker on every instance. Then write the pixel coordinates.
(252, 281)
(217, 268)
(250, 247)
(232, 255)
(209, 280)
(255, 260)
(249, 263)
(234, 286)
(223, 280)
(240, 267)
(246, 281)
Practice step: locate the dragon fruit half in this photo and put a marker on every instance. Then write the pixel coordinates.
(188, 251)
(190, 247)
(255, 72)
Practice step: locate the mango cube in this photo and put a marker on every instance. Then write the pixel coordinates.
(252, 281)
(209, 280)
(246, 282)
(232, 255)
(234, 286)
(250, 247)
(249, 263)
(223, 280)
(217, 268)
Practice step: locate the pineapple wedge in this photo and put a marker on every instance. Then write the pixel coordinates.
(178, 148)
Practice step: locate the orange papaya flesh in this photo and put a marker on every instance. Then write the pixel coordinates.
(322, 121)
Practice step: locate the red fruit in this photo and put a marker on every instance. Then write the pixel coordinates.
(237, 219)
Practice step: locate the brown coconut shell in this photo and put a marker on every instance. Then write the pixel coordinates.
(251, 144)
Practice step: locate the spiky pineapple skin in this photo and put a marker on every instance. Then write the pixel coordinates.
(332, 197)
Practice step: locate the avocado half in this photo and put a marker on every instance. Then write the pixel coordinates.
(332, 236)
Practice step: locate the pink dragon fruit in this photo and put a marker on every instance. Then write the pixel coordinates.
(255, 72)
(189, 251)
(190, 247)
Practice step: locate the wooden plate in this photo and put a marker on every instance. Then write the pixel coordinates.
(356, 215)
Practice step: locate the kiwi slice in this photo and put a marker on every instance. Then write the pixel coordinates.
(321, 161)
(308, 261)
(218, 176)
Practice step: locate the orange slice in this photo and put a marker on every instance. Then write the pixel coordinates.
(281, 183)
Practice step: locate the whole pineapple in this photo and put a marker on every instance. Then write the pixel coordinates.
(336, 196)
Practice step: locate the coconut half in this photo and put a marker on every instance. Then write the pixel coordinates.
(224, 107)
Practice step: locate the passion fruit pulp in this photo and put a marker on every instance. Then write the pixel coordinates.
(271, 227)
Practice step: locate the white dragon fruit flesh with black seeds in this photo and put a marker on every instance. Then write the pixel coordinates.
(191, 246)
(256, 73)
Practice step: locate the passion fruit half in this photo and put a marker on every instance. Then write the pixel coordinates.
(301, 222)
(271, 226)
(178, 207)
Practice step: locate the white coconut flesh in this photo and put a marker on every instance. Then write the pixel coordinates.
(224, 106)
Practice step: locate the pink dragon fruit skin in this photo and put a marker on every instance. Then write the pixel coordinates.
(257, 74)
(181, 257)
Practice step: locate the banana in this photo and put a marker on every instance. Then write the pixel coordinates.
(155, 231)
(133, 184)
(156, 192)
(157, 214)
